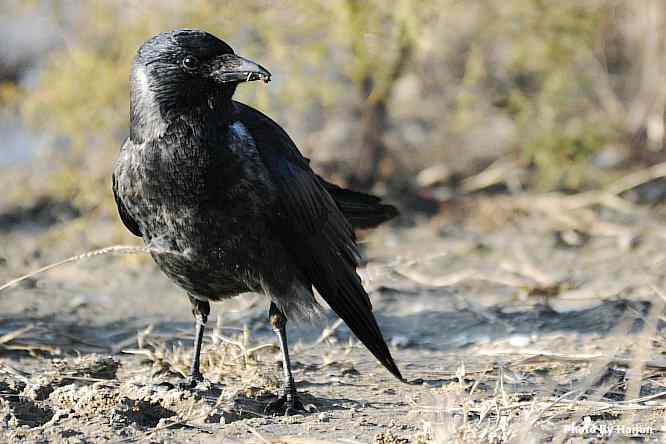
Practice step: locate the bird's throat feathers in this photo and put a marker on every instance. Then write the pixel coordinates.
(146, 119)
(154, 105)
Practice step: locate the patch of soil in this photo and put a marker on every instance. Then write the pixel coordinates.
(41, 214)
(145, 414)
(18, 412)
(87, 400)
(88, 366)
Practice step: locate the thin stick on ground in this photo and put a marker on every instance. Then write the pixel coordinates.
(18, 374)
(327, 332)
(583, 357)
(115, 249)
(15, 334)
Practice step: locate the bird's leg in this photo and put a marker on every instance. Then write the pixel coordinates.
(287, 402)
(200, 310)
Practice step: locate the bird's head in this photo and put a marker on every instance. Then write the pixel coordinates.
(176, 72)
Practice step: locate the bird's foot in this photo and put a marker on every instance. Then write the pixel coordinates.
(287, 404)
(190, 383)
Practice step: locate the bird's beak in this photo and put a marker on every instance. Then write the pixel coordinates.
(232, 68)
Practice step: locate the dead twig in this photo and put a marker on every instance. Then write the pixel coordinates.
(8, 337)
(18, 374)
(584, 357)
(327, 332)
(115, 249)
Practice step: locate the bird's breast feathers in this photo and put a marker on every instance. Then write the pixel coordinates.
(183, 171)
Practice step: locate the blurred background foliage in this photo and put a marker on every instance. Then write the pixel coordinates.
(405, 98)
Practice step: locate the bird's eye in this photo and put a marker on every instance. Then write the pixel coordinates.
(190, 62)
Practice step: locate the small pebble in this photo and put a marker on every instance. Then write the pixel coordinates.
(519, 341)
(400, 341)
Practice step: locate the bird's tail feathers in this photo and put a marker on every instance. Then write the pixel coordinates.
(360, 209)
(357, 314)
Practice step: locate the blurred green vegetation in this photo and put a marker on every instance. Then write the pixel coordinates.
(374, 91)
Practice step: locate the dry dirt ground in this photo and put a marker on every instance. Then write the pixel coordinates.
(529, 318)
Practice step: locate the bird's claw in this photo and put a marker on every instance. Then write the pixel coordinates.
(190, 383)
(286, 405)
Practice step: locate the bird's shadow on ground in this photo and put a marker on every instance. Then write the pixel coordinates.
(448, 330)
(312, 404)
(427, 329)
(63, 335)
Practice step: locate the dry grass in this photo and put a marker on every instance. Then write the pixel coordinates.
(519, 400)
(227, 358)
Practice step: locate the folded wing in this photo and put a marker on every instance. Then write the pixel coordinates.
(316, 233)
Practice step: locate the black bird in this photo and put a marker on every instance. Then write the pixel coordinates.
(227, 202)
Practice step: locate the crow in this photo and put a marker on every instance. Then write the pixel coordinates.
(228, 204)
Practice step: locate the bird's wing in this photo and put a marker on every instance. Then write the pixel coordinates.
(122, 210)
(315, 232)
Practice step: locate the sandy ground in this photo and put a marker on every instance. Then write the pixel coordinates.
(512, 318)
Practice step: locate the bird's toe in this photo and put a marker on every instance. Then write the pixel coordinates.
(275, 407)
(286, 405)
(190, 383)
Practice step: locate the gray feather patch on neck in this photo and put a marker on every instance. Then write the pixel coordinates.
(147, 119)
